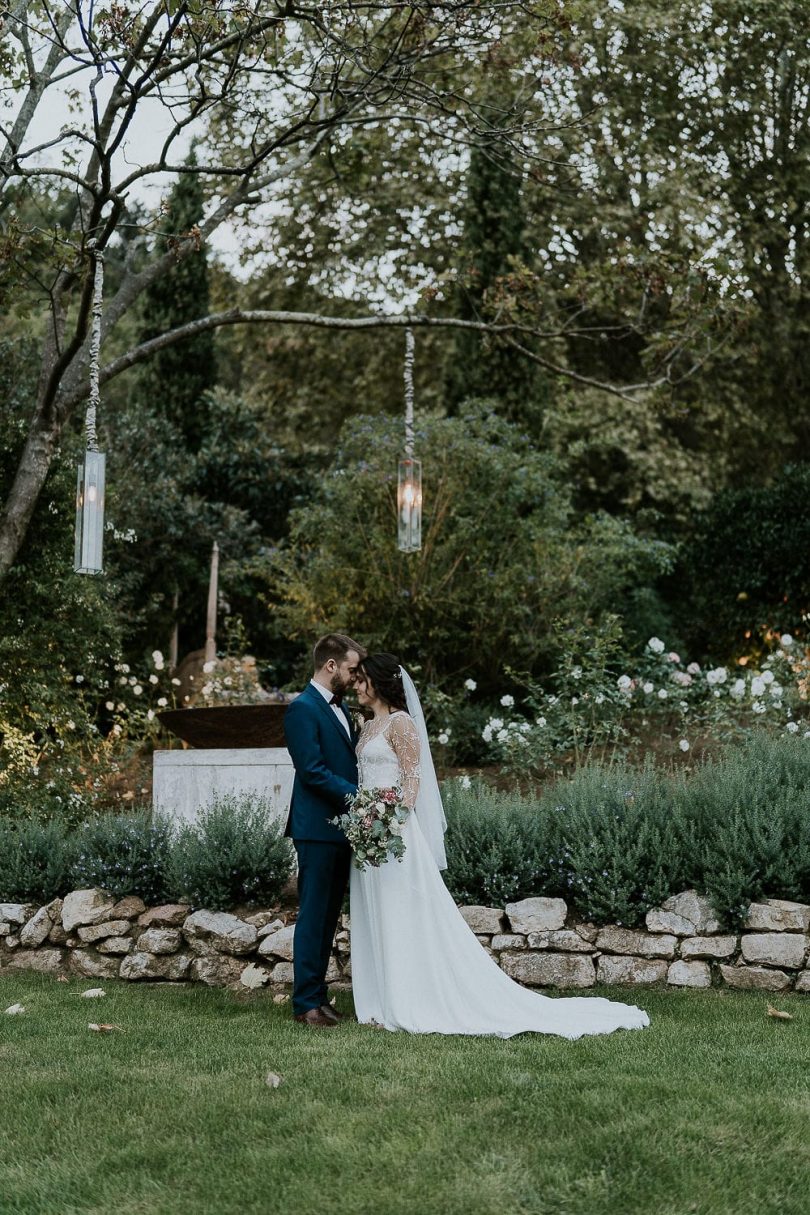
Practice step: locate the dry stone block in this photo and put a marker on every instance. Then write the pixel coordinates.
(484, 921)
(588, 932)
(508, 940)
(36, 930)
(689, 974)
(774, 948)
(633, 941)
(227, 932)
(91, 906)
(631, 970)
(160, 940)
(709, 947)
(536, 915)
(149, 966)
(685, 914)
(283, 972)
(278, 944)
(803, 981)
(128, 908)
(97, 932)
(44, 961)
(260, 919)
(117, 945)
(266, 929)
(17, 913)
(5, 928)
(774, 915)
(549, 969)
(58, 934)
(168, 915)
(217, 970)
(564, 939)
(91, 965)
(757, 978)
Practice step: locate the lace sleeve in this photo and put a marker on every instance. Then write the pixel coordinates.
(404, 742)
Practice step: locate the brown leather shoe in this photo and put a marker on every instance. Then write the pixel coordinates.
(332, 1013)
(315, 1018)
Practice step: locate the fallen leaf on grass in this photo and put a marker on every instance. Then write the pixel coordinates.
(62, 979)
(92, 993)
(254, 976)
(778, 1014)
(102, 1028)
(15, 1008)
(273, 1080)
(280, 998)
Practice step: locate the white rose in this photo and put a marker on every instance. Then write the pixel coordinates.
(648, 688)
(759, 707)
(465, 782)
(624, 682)
(109, 705)
(496, 723)
(786, 640)
(154, 679)
(157, 657)
(693, 668)
(776, 689)
(208, 667)
(125, 668)
(507, 701)
(176, 683)
(150, 713)
(444, 738)
(792, 727)
(656, 645)
(486, 733)
(737, 689)
(162, 702)
(662, 693)
(541, 721)
(470, 685)
(503, 735)
(757, 685)
(767, 677)
(137, 690)
(599, 699)
(574, 700)
(207, 689)
(683, 744)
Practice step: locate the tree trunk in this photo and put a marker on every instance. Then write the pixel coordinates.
(32, 472)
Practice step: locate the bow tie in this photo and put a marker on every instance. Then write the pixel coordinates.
(336, 700)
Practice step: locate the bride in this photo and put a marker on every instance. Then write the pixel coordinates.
(416, 965)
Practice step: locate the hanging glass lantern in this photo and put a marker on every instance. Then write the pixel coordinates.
(409, 505)
(88, 558)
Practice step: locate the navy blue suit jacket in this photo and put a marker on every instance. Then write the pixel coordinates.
(325, 767)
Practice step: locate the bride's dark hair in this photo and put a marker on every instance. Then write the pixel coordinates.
(383, 673)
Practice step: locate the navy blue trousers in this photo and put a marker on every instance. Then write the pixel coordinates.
(323, 875)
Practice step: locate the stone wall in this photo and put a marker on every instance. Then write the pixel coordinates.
(91, 935)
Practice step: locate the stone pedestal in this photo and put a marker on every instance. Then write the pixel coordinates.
(184, 781)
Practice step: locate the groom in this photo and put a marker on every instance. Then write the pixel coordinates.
(321, 740)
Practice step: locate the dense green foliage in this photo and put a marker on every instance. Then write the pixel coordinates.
(234, 855)
(124, 854)
(616, 841)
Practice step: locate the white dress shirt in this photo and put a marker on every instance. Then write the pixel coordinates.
(327, 694)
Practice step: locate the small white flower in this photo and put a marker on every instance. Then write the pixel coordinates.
(757, 685)
(109, 705)
(656, 645)
(157, 658)
(767, 676)
(507, 701)
(576, 672)
(502, 735)
(524, 727)
(123, 680)
(574, 700)
(496, 723)
(137, 690)
(759, 707)
(662, 693)
(684, 744)
(552, 700)
(116, 729)
(162, 702)
(694, 668)
(465, 781)
(718, 675)
(470, 685)
(776, 689)
(207, 689)
(792, 727)
(443, 739)
(154, 679)
(150, 713)
(176, 683)
(80, 679)
(624, 682)
(648, 688)
(208, 667)
(737, 689)
(541, 721)
(786, 640)
(673, 657)
(71, 725)
(486, 733)
(125, 668)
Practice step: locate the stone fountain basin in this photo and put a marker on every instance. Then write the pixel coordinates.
(228, 727)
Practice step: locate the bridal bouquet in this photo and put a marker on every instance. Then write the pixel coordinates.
(373, 826)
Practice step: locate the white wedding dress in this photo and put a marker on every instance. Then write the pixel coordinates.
(416, 965)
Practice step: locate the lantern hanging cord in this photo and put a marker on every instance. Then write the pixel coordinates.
(95, 349)
(409, 435)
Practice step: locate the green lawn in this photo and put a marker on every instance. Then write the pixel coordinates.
(707, 1111)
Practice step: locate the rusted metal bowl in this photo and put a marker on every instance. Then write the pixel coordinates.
(223, 727)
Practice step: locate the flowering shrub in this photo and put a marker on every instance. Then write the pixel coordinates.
(35, 860)
(591, 706)
(123, 854)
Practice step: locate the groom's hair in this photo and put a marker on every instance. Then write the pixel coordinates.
(334, 645)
